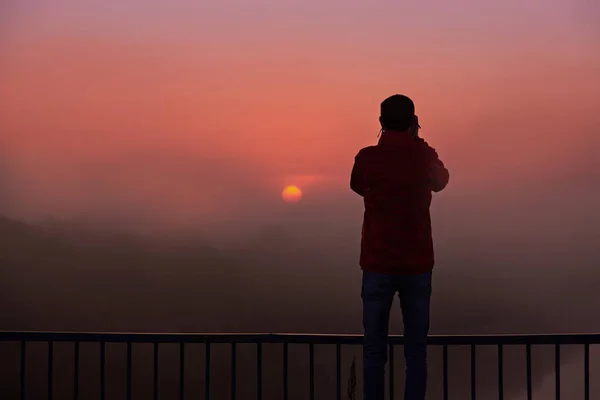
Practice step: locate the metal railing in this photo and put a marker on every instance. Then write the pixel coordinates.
(557, 340)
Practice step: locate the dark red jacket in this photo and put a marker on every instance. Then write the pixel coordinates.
(396, 178)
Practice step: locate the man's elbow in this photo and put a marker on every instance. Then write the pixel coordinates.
(438, 187)
(439, 182)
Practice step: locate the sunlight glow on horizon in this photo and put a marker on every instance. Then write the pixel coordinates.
(291, 194)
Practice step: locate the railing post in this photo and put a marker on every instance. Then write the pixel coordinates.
(23, 360)
(207, 372)
(529, 385)
(391, 369)
(586, 371)
(102, 370)
(259, 370)
(181, 371)
(233, 370)
(311, 367)
(285, 371)
(155, 371)
(473, 373)
(445, 369)
(128, 370)
(338, 370)
(557, 370)
(500, 373)
(76, 371)
(50, 363)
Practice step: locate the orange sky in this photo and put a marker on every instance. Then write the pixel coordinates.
(206, 112)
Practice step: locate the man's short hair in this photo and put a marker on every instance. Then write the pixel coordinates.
(397, 112)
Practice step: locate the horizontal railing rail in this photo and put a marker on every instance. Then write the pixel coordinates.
(296, 338)
(102, 338)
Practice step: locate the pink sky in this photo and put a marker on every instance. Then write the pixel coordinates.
(209, 108)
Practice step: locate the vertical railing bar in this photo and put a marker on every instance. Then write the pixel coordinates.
(557, 370)
(181, 371)
(500, 372)
(473, 373)
(586, 371)
(50, 363)
(311, 362)
(338, 368)
(529, 385)
(102, 370)
(285, 371)
(233, 370)
(207, 372)
(155, 370)
(259, 370)
(445, 369)
(76, 371)
(23, 360)
(128, 370)
(391, 369)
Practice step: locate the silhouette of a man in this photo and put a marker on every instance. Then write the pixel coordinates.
(396, 178)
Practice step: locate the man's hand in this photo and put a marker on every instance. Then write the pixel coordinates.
(414, 129)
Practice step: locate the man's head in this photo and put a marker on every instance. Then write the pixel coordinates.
(397, 113)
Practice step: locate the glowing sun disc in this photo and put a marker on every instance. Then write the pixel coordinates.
(291, 194)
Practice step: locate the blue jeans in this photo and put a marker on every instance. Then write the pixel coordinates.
(377, 294)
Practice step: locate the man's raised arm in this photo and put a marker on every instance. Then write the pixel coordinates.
(438, 173)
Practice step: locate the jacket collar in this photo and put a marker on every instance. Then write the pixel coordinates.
(393, 137)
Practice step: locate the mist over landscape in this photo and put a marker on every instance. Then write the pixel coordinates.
(144, 148)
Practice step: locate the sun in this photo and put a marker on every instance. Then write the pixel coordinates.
(291, 194)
